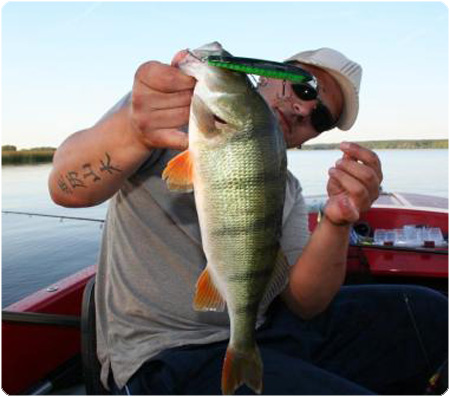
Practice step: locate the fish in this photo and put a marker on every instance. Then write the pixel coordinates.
(236, 166)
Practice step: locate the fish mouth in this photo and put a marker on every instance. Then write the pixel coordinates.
(182, 55)
(200, 54)
(179, 57)
(186, 56)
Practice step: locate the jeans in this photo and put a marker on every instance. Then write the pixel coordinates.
(372, 339)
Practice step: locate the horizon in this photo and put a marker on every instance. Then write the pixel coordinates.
(65, 64)
(309, 143)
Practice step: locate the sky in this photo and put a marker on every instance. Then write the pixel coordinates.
(64, 64)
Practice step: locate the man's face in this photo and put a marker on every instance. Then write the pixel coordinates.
(293, 113)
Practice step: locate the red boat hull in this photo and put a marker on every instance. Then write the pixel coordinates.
(31, 351)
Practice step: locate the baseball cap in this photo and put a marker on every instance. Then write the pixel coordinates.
(347, 74)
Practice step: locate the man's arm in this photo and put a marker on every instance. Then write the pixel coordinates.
(91, 165)
(320, 271)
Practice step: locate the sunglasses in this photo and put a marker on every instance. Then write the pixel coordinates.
(321, 117)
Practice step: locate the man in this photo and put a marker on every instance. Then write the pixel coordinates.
(359, 340)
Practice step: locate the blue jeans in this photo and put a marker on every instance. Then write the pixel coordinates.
(372, 339)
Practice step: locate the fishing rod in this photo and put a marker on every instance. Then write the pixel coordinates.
(61, 217)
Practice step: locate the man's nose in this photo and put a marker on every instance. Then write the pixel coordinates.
(304, 108)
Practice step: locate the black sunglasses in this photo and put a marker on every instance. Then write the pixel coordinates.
(321, 117)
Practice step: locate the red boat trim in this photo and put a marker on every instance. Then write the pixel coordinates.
(46, 296)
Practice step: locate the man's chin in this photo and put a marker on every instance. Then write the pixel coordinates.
(293, 140)
(292, 145)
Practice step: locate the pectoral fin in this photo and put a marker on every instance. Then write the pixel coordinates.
(178, 173)
(207, 296)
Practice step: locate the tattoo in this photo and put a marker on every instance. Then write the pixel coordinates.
(73, 179)
(63, 185)
(107, 166)
(89, 173)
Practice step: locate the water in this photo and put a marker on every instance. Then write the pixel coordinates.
(37, 251)
(407, 171)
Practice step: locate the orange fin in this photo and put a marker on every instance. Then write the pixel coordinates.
(178, 173)
(242, 368)
(207, 296)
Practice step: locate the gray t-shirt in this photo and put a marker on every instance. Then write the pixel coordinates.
(150, 258)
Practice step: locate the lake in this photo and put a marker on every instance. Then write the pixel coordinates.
(38, 251)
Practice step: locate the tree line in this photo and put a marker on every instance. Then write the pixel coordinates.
(392, 144)
(38, 155)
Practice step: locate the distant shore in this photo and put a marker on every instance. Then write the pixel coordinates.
(12, 156)
(394, 144)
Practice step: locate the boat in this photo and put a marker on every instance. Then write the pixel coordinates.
(48, 343)
(424, 262)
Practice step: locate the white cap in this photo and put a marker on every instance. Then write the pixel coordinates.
(347, 74)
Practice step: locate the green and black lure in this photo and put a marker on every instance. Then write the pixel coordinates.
(260, 67)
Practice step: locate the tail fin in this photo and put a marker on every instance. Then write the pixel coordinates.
(242, 367)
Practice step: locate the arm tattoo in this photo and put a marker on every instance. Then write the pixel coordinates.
(107, 166)
(73, 179)
(63, 185)
(91, 173)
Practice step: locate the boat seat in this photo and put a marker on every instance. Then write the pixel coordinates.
(90, 363)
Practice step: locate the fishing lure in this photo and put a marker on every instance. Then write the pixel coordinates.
(261, 67)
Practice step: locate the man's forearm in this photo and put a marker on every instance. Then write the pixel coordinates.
(320, 271)
(91, 165)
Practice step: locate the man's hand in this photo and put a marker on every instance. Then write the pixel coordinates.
(354, 184)
(160, 104)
